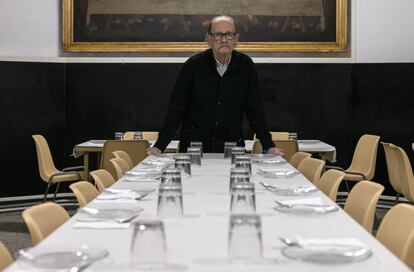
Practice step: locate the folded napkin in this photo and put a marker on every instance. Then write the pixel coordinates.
(124, 194)
(101, 225)
(330, 244)
(305, 201)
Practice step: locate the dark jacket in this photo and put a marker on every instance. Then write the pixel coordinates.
(210, 108)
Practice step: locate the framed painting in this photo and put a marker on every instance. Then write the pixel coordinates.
(180, 25)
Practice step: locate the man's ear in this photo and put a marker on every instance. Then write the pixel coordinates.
(207, 39)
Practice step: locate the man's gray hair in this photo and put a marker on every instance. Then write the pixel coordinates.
(221, 18)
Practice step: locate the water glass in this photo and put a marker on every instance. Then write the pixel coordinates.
(243, 199)
(170, 200)
(171, 175)
(236, 151)
(195, 155)
(197, 144)
(245, 238)
(228, 146)
(244, 161)
(148, 245)
(293, 136)
(184, 164)
(137, 135)
(119, 135)
(239, 174)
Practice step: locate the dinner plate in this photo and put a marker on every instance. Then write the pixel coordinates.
(329, 254)
(306, 208)
(119, 215)
(277, 172)
(64, 257)
(296, 190)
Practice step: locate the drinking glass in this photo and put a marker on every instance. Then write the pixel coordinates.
(184, 164)
(236, 151)
(245, 238)
(171, 175)
(293, 136)
(119, 135)
(239, 174)
(137, 135)
(148, 245)
(243, 199)
(197, 144)
(244, 161)
(195, 155)
(170, 200)
(228, 146)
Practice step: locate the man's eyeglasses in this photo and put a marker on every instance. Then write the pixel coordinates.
(218, 35)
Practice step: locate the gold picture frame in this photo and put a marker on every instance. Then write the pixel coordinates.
(141, 25)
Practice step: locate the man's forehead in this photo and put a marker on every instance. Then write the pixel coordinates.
(222, 24)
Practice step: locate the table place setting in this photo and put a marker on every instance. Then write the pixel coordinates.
(122, 197)
(142, 174)
(305, 206)
(293, 190)
(271, 172)
(267, 159)
(324, 250)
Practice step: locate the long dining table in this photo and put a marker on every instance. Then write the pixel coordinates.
(198, 241)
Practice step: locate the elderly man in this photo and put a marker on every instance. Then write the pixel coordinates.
(213, 91)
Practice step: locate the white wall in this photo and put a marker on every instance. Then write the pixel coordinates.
(381, 32)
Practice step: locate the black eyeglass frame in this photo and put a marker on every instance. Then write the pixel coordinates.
(217, 36)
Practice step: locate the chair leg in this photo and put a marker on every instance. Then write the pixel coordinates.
(56, 190)
(397, 198)
(347, 186)
(47, 191)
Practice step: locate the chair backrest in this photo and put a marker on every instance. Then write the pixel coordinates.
(5, 257)
(44, 158)
(392, 166)
(135, 149)
(277, 135)
(405, 173)
(43, 219)
(362, 202)
(289, 147)
(312, 169)
(84, 191)
(124, 155)
(120, 166)
(365, 156)
(103, 179)
(128, 135)
(150, 135)
(329, 183)
(298, 157)
(396, 232)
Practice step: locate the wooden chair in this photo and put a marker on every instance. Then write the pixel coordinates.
(396, 232)
(43, 219)
(103, 179)
(312, 169)
(289, 147)
(5, 257)
(47, 169)
(393, 169)
(84, 191)
(298, 157)
(124, 155)
(120, 166)
(276, 135)
(136, 150)
(329, 183)
(362, 202)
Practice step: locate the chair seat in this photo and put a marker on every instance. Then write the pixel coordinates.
(67, 177)
(353, 177)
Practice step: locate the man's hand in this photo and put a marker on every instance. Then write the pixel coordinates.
(153, 151)
(276, 151)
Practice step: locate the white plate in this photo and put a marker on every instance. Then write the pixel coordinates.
(329, 254)
(277, 172)
(119, 215)
(296, 190)
(306, 208)
(63, 258)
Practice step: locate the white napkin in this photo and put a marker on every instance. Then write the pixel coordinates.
(124, 197)
(330, 244)
(306, 201)
(101, 225)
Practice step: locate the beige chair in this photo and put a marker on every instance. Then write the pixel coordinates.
(47, 169)
(103, 179)
(392, 168)
(298, 157)
(135, 149)
(276, 135)
(150, 135)
(396, 232)
(124, 155)
(43, 219)
(362, 202)
(128, 135)
(312, 169)
(84, 191)
(120, 166)
(5, 257)
(363, 161)
(289, 147)
(329, 183)
(405, 173)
